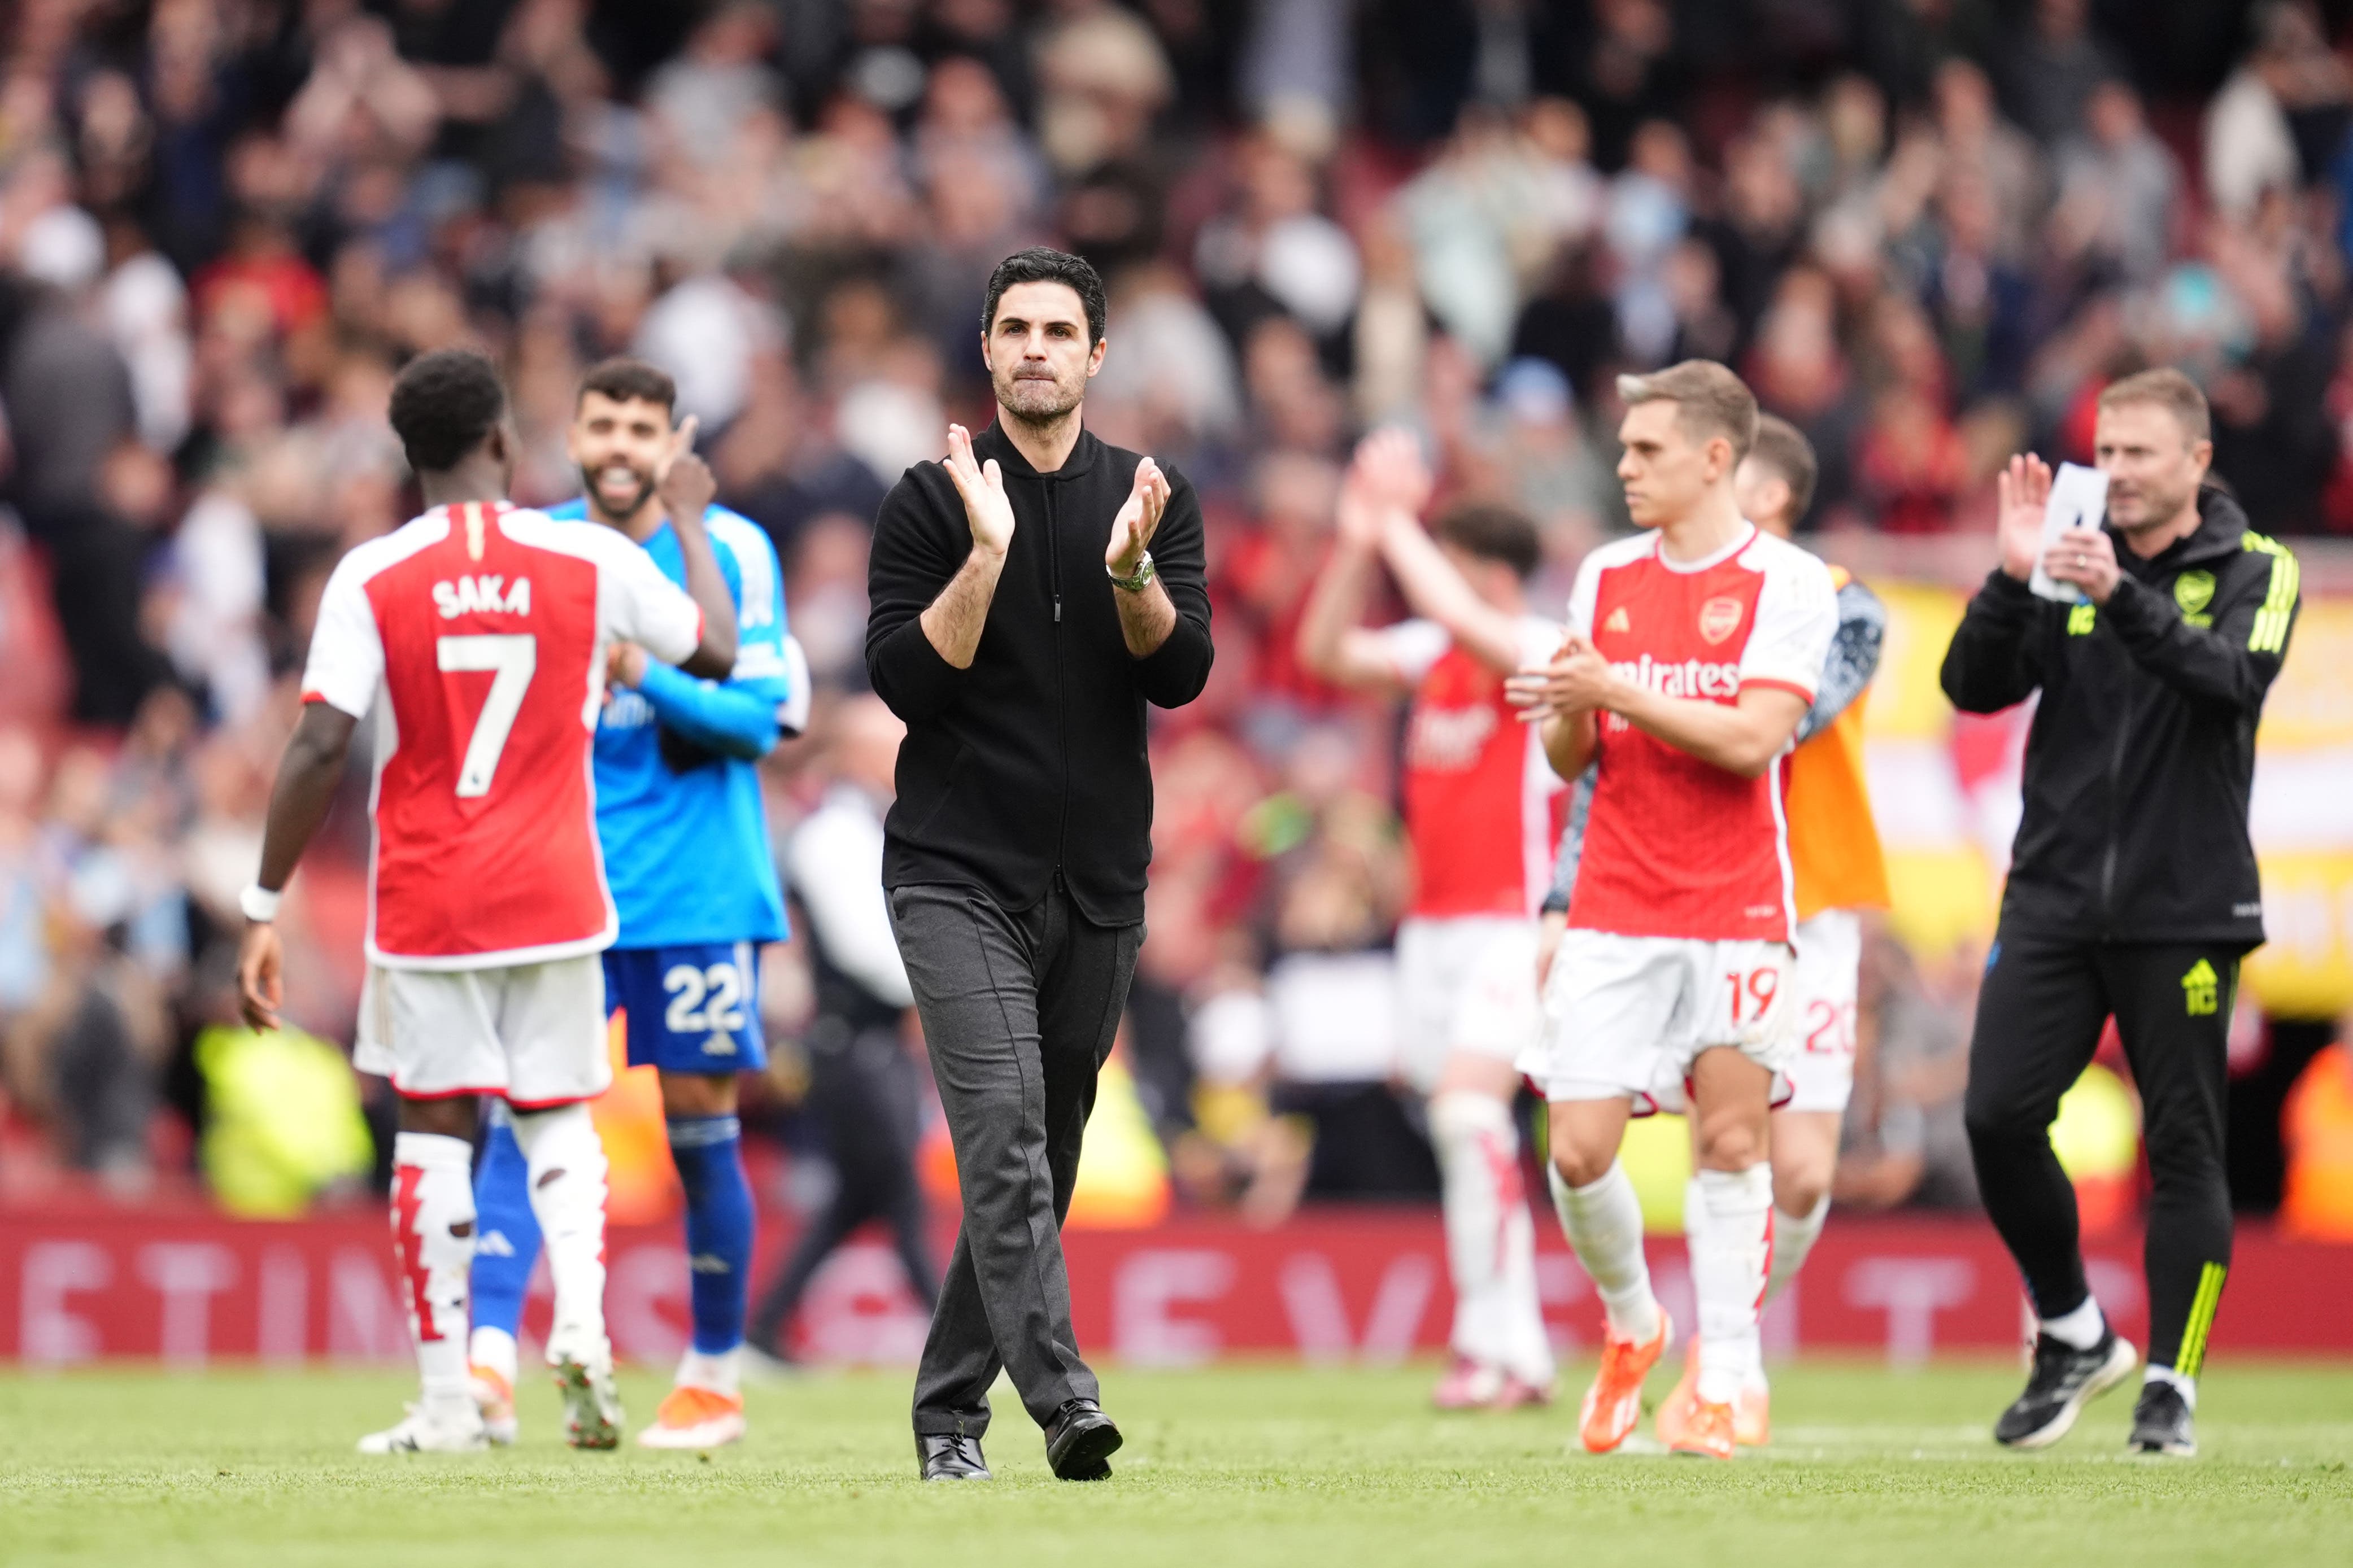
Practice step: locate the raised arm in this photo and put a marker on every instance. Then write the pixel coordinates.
(1332, 640)
(1996, 657)
(686, 487)
(1166, 627)
(924, 575)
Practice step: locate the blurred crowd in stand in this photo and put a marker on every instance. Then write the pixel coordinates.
(1926, 231)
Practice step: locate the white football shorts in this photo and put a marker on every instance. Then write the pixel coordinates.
(1829, 957)
(1624, 1017)
(1467, 983)
(534, 1034)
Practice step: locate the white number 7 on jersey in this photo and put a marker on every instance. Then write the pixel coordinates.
(513, 656)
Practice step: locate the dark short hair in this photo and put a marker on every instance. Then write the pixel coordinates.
(1492, 532)
(1043, 264)
(625, 380)
(1783, 447)
(444, 405)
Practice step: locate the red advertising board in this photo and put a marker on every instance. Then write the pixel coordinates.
(1343, 1286)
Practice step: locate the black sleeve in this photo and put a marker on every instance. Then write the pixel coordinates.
(1995, 659)
(1174, 673)
(913, 559)
(2234, 659)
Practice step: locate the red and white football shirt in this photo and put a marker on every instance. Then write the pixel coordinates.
(1481, 803)
(479, 632)
(1676, 846)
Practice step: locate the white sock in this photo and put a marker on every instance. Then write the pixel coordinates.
(1490, 1235)
(433, 1237)
(2080, 1329)
(567, 1195)
(2188, 1386)
(494, 1351)
(1603, 1223)
(1793, 1237)
(721, 1373)
(1727, 1260)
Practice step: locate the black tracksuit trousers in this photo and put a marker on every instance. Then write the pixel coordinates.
(2040, 1014)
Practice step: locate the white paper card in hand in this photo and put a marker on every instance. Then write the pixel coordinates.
(2079, 499)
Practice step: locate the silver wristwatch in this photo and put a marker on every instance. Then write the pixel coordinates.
(1137, 584)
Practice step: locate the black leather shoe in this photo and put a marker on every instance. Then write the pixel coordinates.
(1081, 1440)
(951, 1456)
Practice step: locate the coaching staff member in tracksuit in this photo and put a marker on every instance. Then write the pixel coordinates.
(2132, 890)
(1020, 625)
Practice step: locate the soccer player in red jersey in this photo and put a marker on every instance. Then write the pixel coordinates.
(1479, 806)
(1694, 648)
(478, 635)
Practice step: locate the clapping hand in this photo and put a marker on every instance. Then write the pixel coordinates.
(1132, 530)
(2084, 558)
(982, 487)
(2024, 489)
(1577, 680)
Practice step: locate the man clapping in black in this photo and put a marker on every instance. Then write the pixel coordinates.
(1020, 625)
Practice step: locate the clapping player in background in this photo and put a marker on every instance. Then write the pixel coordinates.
(685, 837)
(1479, 806)
(473, 633)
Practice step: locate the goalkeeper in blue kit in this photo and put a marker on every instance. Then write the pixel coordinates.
(685, 841)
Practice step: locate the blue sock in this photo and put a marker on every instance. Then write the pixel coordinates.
(507, 1244)
(709, 1151)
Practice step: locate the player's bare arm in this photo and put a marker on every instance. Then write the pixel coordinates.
(307, 776)
(1146, 615)
(1389, 467)
(686, 487)
(1332, 640)
(1741, 737)
(953, 624)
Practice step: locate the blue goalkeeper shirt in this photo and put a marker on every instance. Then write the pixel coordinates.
(685, 834)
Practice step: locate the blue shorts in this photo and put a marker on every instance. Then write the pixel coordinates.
(692, 1008)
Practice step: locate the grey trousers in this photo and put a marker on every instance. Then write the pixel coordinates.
(1019, 1009)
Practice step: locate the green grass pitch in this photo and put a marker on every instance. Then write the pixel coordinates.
(1227, 1468)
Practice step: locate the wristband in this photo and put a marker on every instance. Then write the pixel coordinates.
(259, 904)
(1137, 584)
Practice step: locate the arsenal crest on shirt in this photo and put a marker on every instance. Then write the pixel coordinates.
(1719, 618)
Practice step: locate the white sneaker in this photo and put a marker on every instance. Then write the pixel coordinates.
(592, 1405)
(695, 1418)
(494, 1397)
(425, 1430)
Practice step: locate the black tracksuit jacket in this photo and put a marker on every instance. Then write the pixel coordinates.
(2143, 749)
(1032, 762)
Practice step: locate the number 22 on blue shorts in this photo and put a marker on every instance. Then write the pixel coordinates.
(694, 1008)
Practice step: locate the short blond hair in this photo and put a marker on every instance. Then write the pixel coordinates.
(1710, 401)
(2170, 390)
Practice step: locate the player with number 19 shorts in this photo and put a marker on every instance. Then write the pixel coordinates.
(1837, 871)
(1695, 648)
(685, 836)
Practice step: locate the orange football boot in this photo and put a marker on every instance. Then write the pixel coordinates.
(1752, 1416)
(1709, 1435)
(1614, 1403)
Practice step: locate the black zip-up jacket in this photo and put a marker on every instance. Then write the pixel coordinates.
(2143, 749)
(1031, 761)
